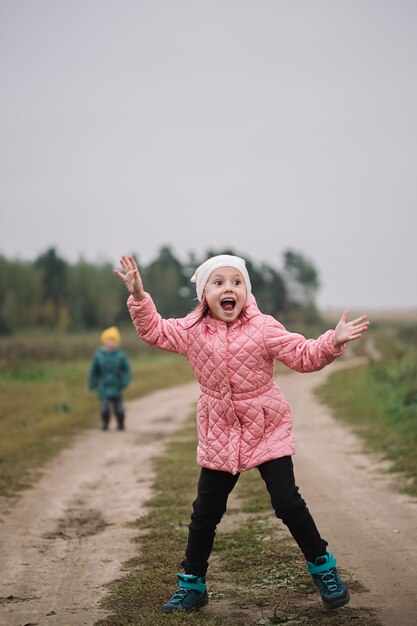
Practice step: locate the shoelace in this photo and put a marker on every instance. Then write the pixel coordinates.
(329, 580)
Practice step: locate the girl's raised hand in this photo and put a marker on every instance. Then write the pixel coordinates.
(131, 277)
(348, 331)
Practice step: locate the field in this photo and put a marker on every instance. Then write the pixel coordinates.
(45, 401)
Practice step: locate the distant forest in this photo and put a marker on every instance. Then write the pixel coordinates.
(53, 293)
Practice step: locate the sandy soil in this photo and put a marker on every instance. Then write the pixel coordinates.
(67, 537)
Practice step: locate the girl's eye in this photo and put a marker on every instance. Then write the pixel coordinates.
(237, 282)
(217, 282)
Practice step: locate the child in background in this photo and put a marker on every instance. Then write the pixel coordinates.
(109, 374)
(243, 419)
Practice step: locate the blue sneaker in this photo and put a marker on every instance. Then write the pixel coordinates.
(190, 595)
(327, 580)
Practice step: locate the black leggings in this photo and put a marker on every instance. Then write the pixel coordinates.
(214, 488)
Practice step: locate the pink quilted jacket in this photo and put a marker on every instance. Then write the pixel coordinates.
(243, 419)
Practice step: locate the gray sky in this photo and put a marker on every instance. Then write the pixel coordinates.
(261, 124)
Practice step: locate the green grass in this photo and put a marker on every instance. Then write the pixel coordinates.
(257, 574)
(18, 351)
(380, 400)
(45, 403)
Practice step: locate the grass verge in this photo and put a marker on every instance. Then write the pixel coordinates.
(45, 403)
(257, 574)
(380, 400)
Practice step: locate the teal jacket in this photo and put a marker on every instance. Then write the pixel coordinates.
(109, 373)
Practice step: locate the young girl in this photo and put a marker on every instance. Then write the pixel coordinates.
(243, 419)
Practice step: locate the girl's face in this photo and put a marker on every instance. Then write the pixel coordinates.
(225, 293)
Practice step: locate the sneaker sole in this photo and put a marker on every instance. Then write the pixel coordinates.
(337, 604)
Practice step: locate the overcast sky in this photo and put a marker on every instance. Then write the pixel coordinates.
(261, 125)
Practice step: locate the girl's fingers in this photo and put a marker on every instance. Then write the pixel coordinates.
(360, 319)
(357, 332)
(360, 328)
(126, 267)
(133, 263)
(128, 263)
(119, 274)
(344, 318)
(359, 322)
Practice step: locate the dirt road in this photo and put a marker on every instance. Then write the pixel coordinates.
(369, 524)
(67, 536)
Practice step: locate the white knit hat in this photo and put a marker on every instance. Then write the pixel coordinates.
(204, 270)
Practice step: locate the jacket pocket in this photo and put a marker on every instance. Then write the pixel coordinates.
(272, 418)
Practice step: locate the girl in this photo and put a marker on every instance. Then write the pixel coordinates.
(243, 419)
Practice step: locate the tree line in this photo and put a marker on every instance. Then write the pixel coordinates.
(53, 293)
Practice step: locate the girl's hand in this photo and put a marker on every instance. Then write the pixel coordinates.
(348, 331)
(131, 277)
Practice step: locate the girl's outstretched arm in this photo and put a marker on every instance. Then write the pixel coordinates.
(171, 334)
(310, 355)
(349, 331)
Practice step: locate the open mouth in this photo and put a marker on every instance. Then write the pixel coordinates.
(228, 304)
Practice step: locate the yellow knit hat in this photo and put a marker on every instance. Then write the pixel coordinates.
(111, 333)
